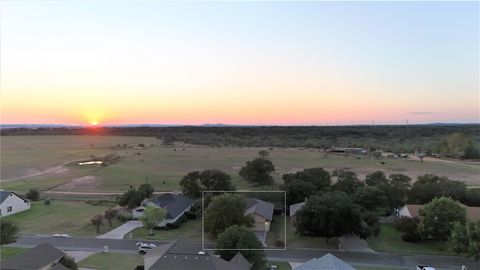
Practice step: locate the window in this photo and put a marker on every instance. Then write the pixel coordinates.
(9, 209)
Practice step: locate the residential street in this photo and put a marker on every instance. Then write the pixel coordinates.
(290, 255)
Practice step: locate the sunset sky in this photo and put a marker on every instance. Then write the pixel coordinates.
(280, 63)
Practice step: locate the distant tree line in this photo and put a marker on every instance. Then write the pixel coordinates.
(428, 138)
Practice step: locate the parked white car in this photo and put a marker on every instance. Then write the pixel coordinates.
(64, 235)
(425, 267)
(143, 248)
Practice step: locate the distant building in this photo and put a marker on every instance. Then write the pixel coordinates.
(182, 254)
(176, 206)
(327, 262)
(12, 203)
(41, 257)
(411, 211)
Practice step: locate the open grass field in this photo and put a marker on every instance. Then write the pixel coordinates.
(72, 217)
(389, 240)
(8, 252)
(48, 163)
(111, 261)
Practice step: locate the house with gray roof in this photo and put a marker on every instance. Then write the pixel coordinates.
(176, 206)
(12, 203)
(41, 257)
(327, 262)
(262, 213)
(184, 255)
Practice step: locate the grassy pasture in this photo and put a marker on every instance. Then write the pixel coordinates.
(165, 166)
(72, 217)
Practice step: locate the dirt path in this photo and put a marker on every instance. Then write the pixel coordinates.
(52, 170)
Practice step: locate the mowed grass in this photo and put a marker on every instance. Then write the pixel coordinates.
(280, 265)
(112, 261)
(389, 240)
(192, 230)
(165, 166)
(8, 252)
(72, 217)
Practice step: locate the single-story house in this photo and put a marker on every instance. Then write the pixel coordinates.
(411, 211)
(294, 209)
(12, 203)
(327, 262)
(262, 213)
(175, 204)
(41, 257)
(182, 254)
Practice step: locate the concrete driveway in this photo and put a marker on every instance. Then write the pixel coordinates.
(354, 243)
(122, 230)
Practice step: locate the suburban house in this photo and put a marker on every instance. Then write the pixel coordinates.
(176, 206)
(327, 262)
(184, 254)
(41, 257)
(293, 210)
(262, 213)
(411, 211)
(12, 203)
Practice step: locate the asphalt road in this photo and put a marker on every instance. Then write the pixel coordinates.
(84, 243)
(290, 255)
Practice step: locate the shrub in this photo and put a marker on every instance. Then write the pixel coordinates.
(8, 230)
(47, 202)
(33, 194)
(406, 224)
(69, 262)
(411, 237)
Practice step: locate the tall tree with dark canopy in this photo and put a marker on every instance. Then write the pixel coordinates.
(224, 211)
(466, 239)
(347, 181)
(438, 216)
(330, 215)
(240, 239)
(258, 171)
(376, 178)
(371, 198)
(298, 191)
(396, 190)
(300, 185)
(194, 183)
(147, 190)
(431, 186)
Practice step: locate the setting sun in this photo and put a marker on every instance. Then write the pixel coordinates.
(94, 123)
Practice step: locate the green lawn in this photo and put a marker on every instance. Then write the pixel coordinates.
(112, 261)
(280, 265)
(8, 252)
(277, 230)
(72, 217)
(192, 230)
(165, 166)
(389, 240)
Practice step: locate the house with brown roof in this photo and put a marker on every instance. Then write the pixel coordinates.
(182, 255)
(411, 211)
